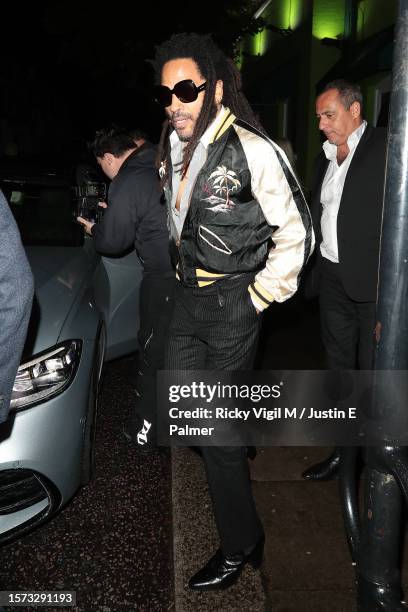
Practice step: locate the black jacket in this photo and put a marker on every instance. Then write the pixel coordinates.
(360, 215)
(136, 214)
(246, 214)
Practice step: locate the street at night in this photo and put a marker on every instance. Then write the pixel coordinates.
(203, 306)
(131, 538)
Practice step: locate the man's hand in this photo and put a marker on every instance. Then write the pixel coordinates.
(88, 225)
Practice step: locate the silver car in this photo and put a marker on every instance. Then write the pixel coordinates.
(85, 312)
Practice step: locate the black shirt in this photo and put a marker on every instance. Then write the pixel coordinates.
(136, 214)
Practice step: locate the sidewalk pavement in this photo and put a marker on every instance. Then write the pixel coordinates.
(307, 566)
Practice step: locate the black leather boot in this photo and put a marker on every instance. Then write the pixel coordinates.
(222, 571)
(325, 470)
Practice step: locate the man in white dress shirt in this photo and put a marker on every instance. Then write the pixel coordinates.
(347, 197)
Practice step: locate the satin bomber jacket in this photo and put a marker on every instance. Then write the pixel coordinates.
(246, 213)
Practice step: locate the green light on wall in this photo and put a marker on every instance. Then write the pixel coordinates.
(371, 18)
(326, 30)
(328, 18)
(291, 14)
(259, 43)
(361, 16)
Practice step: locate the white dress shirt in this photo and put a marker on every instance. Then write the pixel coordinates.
(332, 190)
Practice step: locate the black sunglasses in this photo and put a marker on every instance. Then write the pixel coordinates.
(186, 91)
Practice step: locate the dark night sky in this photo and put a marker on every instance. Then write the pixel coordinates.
(70, 67)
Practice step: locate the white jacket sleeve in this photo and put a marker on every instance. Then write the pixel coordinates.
(280, 197)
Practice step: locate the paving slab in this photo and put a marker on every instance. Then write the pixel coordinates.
(306, 547)
(195, 540)
(312, 601)
(283, 463)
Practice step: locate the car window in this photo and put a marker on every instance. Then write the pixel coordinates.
(44, 214)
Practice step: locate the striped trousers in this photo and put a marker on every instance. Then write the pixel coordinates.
(216, 328)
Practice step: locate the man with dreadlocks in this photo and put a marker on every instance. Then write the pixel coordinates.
(242, 234)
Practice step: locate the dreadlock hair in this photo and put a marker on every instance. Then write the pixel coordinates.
(213, 65)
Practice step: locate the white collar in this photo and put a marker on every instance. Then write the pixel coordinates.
(330, 150)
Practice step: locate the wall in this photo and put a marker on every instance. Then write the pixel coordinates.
(286, 66)
(373, 16)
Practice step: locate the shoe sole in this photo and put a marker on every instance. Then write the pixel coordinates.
(220, 587)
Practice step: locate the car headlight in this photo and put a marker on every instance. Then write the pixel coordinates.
(45, 375)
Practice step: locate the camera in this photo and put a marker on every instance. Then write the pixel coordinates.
(89, 191)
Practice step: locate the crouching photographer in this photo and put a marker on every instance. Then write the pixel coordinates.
(136, 216)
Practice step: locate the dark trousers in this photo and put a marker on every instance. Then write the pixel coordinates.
(216, 328)
(156, 309)
(347, 326)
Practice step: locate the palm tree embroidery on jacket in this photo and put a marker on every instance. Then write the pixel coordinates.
(224, 182)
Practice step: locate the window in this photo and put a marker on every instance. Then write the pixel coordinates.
(45, 214)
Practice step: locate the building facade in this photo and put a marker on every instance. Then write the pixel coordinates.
(305, 44)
